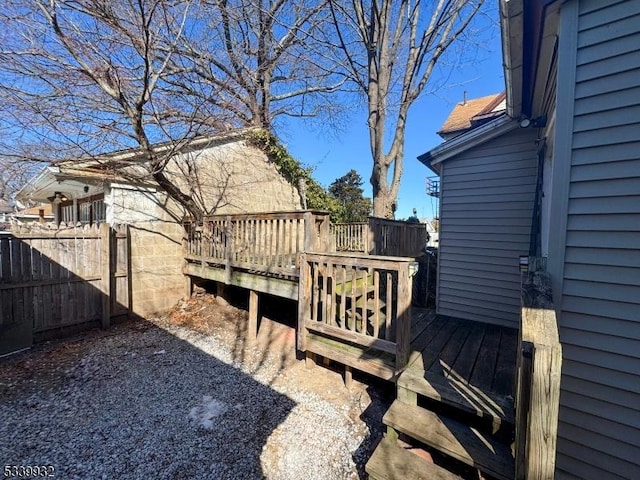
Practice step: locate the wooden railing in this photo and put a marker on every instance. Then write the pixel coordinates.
(358, 299)
(538, 383)
(350, 237)
(261, 242)
(380, 236)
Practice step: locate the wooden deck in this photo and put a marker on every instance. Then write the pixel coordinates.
(466, 364)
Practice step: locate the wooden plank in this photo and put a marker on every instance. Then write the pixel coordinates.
(304, 302)
(448, 355)
(315, 293)
(388, 329)
(351, 336)
(376, 304)
(5, 259)
(429, 345)
(331, 294)
(457, 440)
(365, 304)
(485, 366)
(106, 271)
(352, 320)
(463, 365)
(355, 358)
(503, 380)
(279, 287)
(393, 462)
(343, 297)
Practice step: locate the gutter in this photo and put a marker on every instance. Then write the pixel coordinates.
(512, 35)
(464, 142)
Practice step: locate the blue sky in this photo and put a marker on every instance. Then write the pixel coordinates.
(334, 155)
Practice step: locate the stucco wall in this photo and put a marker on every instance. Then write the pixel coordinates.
(231, 178)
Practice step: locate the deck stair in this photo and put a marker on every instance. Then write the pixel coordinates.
(453, 397)
(458, 440)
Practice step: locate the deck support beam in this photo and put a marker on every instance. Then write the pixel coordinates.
(254, 306)
(348, 376)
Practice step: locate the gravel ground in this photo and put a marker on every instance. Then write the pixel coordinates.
(162, 399)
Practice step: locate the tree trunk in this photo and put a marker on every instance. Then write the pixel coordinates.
(384, 204)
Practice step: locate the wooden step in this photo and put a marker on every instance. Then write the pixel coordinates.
(392, 462)
(453, 438)
(460, 395)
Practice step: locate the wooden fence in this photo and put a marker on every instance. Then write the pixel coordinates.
(397, 238)
(537, 395)
(359, 299)
(380, 236)
(56, 280)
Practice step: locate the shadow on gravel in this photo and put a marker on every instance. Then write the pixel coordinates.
(382, 395)
(135, 402)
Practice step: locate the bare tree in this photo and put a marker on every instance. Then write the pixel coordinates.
(258, 60)
(391, 50)
(80, 78)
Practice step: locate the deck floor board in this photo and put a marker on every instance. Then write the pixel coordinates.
(465, 363)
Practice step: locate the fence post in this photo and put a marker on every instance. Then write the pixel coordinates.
(106, 273)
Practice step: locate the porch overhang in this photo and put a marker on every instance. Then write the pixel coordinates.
(52, 180)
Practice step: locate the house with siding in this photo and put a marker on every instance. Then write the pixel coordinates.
(224, 172)
(558, 176)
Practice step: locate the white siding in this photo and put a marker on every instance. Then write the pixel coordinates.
(599, 431)
(486, 210)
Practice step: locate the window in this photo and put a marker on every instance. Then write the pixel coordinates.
(90, 210)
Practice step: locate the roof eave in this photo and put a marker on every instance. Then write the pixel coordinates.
(434, 157)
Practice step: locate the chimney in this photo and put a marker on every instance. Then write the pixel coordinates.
(464, 97)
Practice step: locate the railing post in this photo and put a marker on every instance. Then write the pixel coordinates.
(309, 232)
(538, 383)
(304, 301)
(403, 318)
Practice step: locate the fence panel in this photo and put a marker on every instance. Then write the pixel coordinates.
(397, 238)
(54, 279)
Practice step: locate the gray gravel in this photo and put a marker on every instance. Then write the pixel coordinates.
(171, 403)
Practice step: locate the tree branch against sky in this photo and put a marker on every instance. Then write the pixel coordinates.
(81, 78)
(85, 77)
(259, 60)
(391, 50)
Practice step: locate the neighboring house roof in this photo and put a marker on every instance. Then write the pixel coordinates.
(471, 138)
(34, 212)
(86, 176)
(471, 113)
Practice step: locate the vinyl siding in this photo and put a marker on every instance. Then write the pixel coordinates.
(486, 209)
(599, 430)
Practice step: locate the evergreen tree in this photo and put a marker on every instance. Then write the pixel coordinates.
(348, 191)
